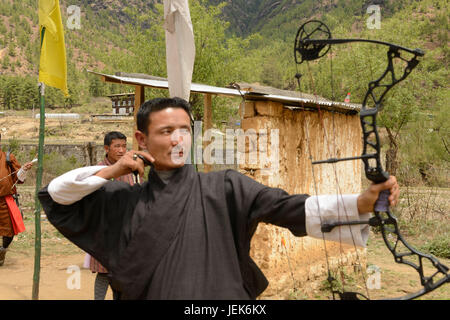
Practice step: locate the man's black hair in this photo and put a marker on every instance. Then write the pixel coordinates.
(110, 136)
(157, 104)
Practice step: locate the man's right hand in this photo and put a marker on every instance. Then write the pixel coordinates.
(125, 165)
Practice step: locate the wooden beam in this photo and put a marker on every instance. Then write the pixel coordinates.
(104, 79)
(207, 124)
(139, 99)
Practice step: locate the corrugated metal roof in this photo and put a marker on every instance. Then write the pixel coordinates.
(294, 99)
(293, 103)
(163, 84)
(291, 99)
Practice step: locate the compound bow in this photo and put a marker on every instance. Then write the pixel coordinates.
(313, 41)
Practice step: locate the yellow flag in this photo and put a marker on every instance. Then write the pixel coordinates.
(52, 66)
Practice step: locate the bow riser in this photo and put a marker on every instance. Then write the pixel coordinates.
(372, 147)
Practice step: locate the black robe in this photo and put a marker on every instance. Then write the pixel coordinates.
(189, 239)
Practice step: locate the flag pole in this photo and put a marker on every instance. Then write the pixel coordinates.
(37, 204)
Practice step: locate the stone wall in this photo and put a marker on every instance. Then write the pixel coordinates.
(300, 133)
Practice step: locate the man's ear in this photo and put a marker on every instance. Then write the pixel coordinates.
(106, 149)
(141, 139)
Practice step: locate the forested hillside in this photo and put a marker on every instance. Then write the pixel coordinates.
(103, 31)
(249, 41)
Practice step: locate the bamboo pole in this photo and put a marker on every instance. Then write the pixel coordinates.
(37, 204)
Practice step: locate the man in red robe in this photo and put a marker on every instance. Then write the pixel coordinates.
(11, 173)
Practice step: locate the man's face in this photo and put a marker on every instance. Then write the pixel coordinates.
(116, 149)
(169, 138)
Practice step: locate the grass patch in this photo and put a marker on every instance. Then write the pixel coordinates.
(439, 246)
(52, 242)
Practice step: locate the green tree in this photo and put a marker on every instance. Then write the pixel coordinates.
(12, 49)
(5, 62)
(96, 86)
(3, 29)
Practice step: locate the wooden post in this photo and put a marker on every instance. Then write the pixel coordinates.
(139, 99)
(207, 124)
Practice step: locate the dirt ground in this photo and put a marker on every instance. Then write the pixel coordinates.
(17, 277)
(27, 129)
(57, 276)
(58, 256)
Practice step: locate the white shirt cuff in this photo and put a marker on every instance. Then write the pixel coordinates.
(333, 208)
(22, 174)
(76, 184)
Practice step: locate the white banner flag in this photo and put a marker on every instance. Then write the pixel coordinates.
(180, 47)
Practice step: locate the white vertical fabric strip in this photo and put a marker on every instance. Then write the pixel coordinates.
(180, 47)
(329, 208)
(75, 185)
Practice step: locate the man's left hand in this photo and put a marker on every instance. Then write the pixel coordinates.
(366, 200)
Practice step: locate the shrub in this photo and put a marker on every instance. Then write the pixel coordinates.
(13, 146)
(55, 164)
